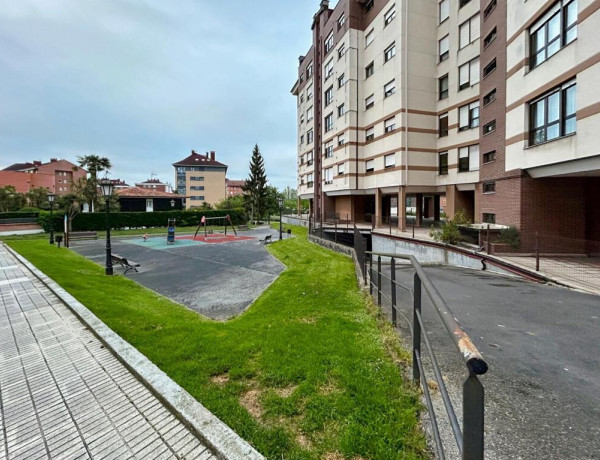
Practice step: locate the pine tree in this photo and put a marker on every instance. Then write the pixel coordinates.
(256, 186)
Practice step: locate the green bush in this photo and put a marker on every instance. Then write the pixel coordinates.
(19, 214)
(449, 232)
(510, 236)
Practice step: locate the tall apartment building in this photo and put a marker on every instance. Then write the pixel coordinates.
(490, 104)
(201, 179)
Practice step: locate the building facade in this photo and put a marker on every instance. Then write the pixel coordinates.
(477, 103)
(57, 176)
(201, 179)
(235, 187)
(154, 184)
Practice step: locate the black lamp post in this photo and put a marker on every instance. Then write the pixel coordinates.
(51, 197)
(107, 188)
(280, 203)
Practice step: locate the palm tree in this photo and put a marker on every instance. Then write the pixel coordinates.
(94, 164)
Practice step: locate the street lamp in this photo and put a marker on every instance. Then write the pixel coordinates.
(280, 203)
(107, 188)
(51, 197)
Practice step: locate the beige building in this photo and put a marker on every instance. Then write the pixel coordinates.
(437, 98)
(201, 179)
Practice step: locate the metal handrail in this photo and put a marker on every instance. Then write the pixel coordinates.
(470, 440)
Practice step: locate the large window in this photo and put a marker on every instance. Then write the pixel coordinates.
(468, 158)
(329, 149)
(468, 74)
(443, 163)
(443, 87)
(468, 116)
(553, 114)
(444, 10)
(329, 42)
(389, 16)
(443, 125)
(468, 32)
(329, 122)
(557, 28)
(329, 176)
(328, 96)
(444, 48)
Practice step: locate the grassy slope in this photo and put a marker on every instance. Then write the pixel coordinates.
(307, 356)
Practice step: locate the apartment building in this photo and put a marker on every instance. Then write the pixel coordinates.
(55, 175)
(477, 102)
(201, 178)
(235, 187)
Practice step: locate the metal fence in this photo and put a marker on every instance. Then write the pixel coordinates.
(469, 439)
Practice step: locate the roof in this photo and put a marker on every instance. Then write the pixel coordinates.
(235, 183)
(152, 181)
(195, 159)
(19, 167)
(138, 192)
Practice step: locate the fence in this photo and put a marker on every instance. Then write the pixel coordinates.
(469, 440)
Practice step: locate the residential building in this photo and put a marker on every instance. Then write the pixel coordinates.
(235, 187)
(56, 175)
(154, 184)
(455, 101)
(138, 199)
(201, 179)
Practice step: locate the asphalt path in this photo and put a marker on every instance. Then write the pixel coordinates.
(542, 344)
(217, 280)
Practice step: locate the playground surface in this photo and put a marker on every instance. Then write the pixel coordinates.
(218, 276)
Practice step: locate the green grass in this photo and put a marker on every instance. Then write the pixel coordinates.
(307, 359)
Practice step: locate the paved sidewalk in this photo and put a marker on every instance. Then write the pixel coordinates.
(63, 395)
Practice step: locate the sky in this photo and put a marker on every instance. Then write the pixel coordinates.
(143, 82)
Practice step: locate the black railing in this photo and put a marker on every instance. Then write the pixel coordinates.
(469, 440)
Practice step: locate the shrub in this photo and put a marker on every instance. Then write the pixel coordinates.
(510, 236)
(449, 232)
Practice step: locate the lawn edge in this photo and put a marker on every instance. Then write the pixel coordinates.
(218, 436)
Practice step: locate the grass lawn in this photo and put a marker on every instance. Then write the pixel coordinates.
(305, 373)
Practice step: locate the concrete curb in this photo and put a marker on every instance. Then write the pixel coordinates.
(221, 439)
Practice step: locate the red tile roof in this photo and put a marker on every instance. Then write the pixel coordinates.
(235, 183)
(138, 192)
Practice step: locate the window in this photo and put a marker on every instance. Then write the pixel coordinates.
(468, 74)
(557, 28)
(489, 97)
(468, 158)
(328, 96)
(329, 176)
(490, 38)
(468, 32)
(309, 70)
(301, 118)
(329, 149)
(553, 115)
(341, 81)
(489, 127)
(329, 122)
(369, 101)
(488, 157)
(389, 124)
(369, 5)
(340, 169)
(309, 114)
(488, 69)
(443, 87)
(309, 180)
(301, 139)
(369, 165)
(302, 160)
(197, 178)
(390, 52)
(444, 10)
(329, 42)
(341, 51)
(329, 69)
(309, 92)
(389, 16)
(341, 140)
(389, 161)
(444, 48)
(341, 21)
(462, 3)
(197, 198)
(489, 187)
(309, 158)
(341, 110)
(489, 218)
(488, 9)
(369, 70)
(370, 133)
(197, 187)
(389, 88)
(443, 163)
(468, 116)
(309, 136)
(301, 99)
(443, 125)
(369, 38)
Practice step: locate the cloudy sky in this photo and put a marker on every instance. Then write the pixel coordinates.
(143, 82)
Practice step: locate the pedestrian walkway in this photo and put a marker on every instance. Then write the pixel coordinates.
(63, 394)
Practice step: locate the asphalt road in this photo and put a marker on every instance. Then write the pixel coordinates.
(542, 344)
(217, 280)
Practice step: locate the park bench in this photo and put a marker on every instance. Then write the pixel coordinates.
(243, 227)
(266, 239)
(73, 236)
(123, 262)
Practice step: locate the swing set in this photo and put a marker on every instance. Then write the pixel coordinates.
(221, 221)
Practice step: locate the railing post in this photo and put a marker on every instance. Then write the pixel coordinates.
(416, 328)
(371, 274)
(335, 237)
(413, 230)
(473, 418)
(489, 243)
(537, 252)
(393, 286)
(379, 281)
(390, 218)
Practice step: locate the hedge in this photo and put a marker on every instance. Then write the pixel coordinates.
(18, 214)
(94, 221)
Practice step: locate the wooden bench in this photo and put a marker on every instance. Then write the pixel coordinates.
(73, 236)
(123, 262)
(267, 239)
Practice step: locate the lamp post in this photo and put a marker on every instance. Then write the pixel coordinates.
(280, 203)
(51, 197)
(107, 188)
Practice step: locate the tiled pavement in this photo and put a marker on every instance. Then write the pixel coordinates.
(63, 395)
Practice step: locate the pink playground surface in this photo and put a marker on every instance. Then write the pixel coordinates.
(215, 238)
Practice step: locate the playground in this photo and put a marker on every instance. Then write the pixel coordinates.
(215, 273)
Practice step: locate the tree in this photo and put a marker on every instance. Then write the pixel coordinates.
(71, 205)
(256, 186)
(272, 201)
(10, 199)
(94, 164)
(37, 198)
(231, 202)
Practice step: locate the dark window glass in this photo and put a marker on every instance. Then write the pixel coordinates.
(443, 163)
(488, 157)
(488, 9)
(443, 87)
(443, 125)
(553, 115)
(560, 29)
(489, 187)
(489, 97)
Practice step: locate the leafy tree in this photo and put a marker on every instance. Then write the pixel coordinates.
(70, 204)
(256, 186)
(37, 198)
(231, 202)
(94, 164)
(10, 199)
(272, 201)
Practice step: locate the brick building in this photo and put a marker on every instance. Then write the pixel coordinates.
(453, 99)
(55, 175)
(153, 184)
(235, 187)
(201, 179)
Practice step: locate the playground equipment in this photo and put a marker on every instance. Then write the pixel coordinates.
(170, 231)
(222, 220)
